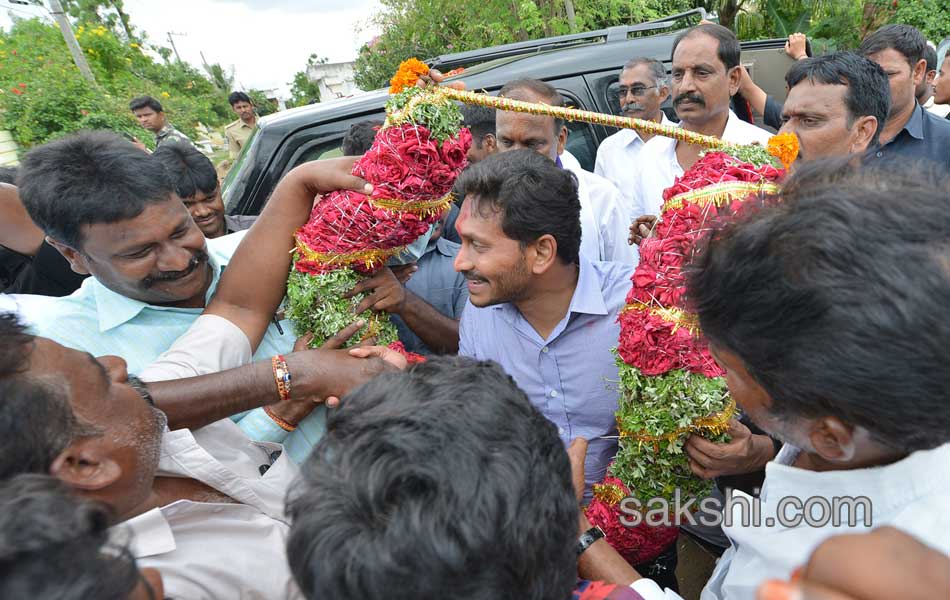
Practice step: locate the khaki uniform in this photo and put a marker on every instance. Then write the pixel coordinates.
(237, 134)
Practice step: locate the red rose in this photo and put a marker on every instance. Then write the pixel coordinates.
(455, 149)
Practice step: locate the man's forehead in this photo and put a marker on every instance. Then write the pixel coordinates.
(641, 73)
(505, 120)
(810, 95)
(697, 49)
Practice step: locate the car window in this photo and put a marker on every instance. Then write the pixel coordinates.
(581, 141)
(330, 149)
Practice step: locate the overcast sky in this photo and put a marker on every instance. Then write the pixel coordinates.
(267, 41)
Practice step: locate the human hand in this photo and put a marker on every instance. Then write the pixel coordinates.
(404, 272)
(795, 46)
(384, 293)
(387, 354)
(744, 453)
(883, 564)
(327, 175)
(641, 229)
(436, 77)
(577, 454)
(140, 145)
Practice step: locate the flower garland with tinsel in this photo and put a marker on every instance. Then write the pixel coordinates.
(413, 163)
(670, 385)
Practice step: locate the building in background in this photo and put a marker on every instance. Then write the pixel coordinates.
(335, 80)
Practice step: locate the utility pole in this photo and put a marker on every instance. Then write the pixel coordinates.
(171, 40)
(56, 9)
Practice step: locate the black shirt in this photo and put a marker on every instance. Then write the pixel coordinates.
(47, 274)
(925, 136)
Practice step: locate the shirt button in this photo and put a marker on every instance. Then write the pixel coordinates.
(879, 154)
(554, 393)
(545, 349)
(560, 430)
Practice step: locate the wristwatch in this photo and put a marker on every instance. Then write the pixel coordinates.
(588, 538)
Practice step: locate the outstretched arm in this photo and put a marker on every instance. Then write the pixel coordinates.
(255, 281)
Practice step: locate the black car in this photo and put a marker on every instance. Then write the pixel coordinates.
(582, 67)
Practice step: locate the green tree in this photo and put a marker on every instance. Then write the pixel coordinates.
(427, 28)
(932, 17)
(303, 90)
(43, 96)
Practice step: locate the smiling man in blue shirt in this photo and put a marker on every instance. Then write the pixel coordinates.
(545, 313)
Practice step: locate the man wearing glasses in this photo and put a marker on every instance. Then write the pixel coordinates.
(641, 90)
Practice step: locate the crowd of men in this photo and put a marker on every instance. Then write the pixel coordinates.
(169, 437)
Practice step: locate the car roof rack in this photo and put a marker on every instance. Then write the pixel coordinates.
(611, 34)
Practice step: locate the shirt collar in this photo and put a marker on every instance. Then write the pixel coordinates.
(164, 131)
(114, 309)
(915, 124)
(588, 296)
(148, 534)
(630, 136)
(444, 247)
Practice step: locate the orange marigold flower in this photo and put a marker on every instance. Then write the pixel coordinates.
(784, 147)
(407, 75)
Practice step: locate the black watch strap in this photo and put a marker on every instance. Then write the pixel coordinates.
(588, 538)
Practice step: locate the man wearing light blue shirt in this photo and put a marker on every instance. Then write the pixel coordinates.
(538, 307)
(112, 212)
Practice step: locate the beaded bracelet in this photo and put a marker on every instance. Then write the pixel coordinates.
(280, 422)
(281, 377)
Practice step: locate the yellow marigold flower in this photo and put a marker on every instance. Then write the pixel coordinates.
(784, 147)
(165, 95)
(407, 75)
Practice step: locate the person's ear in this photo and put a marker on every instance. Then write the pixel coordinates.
(561, 139)
(77, 262)
(543, 254)
(85, 465)
(664, 92)
(832, 439)
(919, 72)
(489, 144)
(862, 132)
(734, 76)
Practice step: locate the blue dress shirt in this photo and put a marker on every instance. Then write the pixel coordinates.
(571, 376)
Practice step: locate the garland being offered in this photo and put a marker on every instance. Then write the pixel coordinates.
(412, 164)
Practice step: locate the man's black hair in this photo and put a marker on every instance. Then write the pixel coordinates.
(729, 49)
(906, 39)
(868, 90)
(532, 196)
(514, 90)
(87, 178)
(32, 444)
(360, 137)
(834, 297)
(189, 169)
(8, 175)
(55, 545)
(236, 97)
(439, 482)
(480, 120)
(145, 102)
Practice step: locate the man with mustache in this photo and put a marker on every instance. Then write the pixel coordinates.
(705, 76)
(641, 89)
(112, 211)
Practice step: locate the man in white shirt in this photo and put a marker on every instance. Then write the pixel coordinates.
(705, 76)
(641, 89)
(604, 219)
